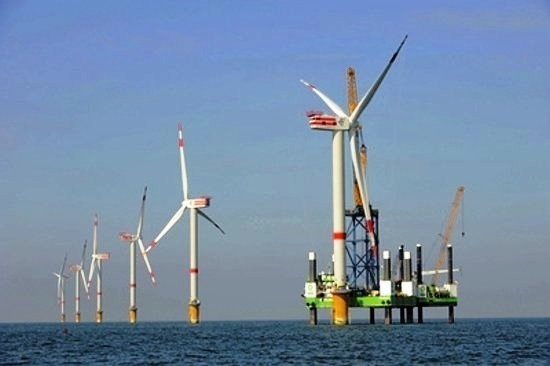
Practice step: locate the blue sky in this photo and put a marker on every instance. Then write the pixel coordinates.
(90, 98)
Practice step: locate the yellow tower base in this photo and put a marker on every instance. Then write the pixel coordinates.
(340, 308)
(77, 317)
(99, 316)
(132, 315)
(193, 313)
(62, 318)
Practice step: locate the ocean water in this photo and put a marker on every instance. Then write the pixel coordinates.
(467, 342)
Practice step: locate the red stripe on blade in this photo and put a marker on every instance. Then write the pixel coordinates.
(193, 270)
(370, 226)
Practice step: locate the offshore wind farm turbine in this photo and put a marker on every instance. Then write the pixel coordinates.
(97, 259)
(338, 124)
(194, 205)
(78, 270)
(61, 288)
(132, 239)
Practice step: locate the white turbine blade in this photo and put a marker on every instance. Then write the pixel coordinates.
(184, 183)
(63, 266)
(83, 254)
(83, 276)
(147, 263)
(329, 102)
(92, 269)
(94, 241)
(211, 221)
(58, 284)
(361, 182)
(370, 93)
(169, 225)
(59, 290)
(358, 170)
(141, 213)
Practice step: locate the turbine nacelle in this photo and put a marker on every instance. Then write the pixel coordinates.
(326, 122)
(127, 237)
(101, 256)
(59, 277)
(201, 202)
(75, 267)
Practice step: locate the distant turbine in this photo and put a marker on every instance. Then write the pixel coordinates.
(338, 124)
(132, 239)
(194, 205)
(61, 288)
(78, 270)
(97, 259)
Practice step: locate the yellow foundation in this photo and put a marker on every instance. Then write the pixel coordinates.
(62, 318)
(132, 315)
(77, 317)
(193, 313)
(99, 317)
(340, 308)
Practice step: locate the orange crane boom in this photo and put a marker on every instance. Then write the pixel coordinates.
(352, 103)
(446, 236)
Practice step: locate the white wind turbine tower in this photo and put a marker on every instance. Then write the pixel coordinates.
(97, 259)
(132, 239)
(342, 122)
(78, 270)
(194, 205)
(61, 288)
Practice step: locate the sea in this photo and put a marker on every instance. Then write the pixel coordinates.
(467, 342)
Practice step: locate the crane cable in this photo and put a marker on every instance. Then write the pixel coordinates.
(462, 218)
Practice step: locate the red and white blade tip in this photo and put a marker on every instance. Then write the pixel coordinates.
(180, 135)
(152, 244)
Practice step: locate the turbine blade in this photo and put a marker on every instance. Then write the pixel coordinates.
(211, 221)
(147, 263)
(63, 266)
(92, 269)
(329, 102)
(169, 225)
(362, 184)
(184, 183)
(83, 280)
(83, 254)
(141, 213)
(58, 284)
(370, 93)
(94, 241)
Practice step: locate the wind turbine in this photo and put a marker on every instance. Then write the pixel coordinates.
(61, 287)
(97, 259)
(132, 239)
(78, 270)
(194, 205)
(338, 124)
